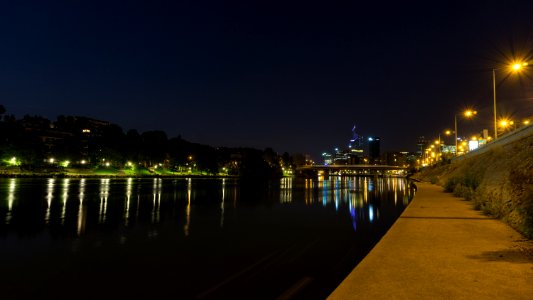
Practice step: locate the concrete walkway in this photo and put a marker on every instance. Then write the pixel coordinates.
(440, 248)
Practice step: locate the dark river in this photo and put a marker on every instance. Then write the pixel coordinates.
(189, 238)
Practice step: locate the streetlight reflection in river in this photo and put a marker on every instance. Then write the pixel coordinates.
(66, 185)
(49, 196)
(11, 198)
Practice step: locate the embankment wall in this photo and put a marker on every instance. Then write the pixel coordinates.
(498, 179)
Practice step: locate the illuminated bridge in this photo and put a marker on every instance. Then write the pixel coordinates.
(352, 170)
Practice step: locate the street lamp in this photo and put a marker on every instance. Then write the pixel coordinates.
(516, 67)
(467, 114)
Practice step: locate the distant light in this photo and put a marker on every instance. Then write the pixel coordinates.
(83, 161)
(370, 139)
(472, 145)
(14, 162)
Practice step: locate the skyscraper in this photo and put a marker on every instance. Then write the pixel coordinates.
(374, 150)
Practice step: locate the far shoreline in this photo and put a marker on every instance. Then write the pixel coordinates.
(118, 176)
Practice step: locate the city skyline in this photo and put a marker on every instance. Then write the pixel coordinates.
(294, 77)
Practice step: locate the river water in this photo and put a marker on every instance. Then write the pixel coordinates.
(186, 238)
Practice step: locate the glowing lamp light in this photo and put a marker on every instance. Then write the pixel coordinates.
(470, 113)
(472, 145)
(13, 161)
(518, 66)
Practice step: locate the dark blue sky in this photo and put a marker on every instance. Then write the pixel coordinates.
(292, 75)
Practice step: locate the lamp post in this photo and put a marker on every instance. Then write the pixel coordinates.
(517, 66)
(494, 98)
(468, 114)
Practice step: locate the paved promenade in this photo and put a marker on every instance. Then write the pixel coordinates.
(440, 248)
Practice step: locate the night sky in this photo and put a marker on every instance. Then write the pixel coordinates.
(294, 76)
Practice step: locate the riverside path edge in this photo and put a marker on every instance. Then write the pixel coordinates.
(441, 248)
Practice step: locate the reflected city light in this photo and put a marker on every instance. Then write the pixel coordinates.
(364, 199)
(49, 197)
(64, 197)
(129, 186)
(223, 202)
(82, 211)
(10, 198)
(285, 190)
(188, 208)
(156, 205)
(354, 193)
(104, 194)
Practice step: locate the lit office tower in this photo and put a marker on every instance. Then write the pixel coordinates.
(373, 149)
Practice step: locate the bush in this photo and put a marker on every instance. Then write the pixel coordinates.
(451, 183)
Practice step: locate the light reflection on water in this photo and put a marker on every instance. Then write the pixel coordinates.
(75, 199)
(122, 229)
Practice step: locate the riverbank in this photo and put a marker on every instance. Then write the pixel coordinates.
(442, 248)
(498, 180)
(16, 172)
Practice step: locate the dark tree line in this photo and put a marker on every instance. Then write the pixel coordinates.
(86, 142)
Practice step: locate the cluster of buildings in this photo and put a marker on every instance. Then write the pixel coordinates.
(35, 138)
(367, 151)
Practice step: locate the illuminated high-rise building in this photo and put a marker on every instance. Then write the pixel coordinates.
(374, 149)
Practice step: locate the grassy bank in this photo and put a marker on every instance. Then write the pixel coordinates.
(100, 172)
(498, 182)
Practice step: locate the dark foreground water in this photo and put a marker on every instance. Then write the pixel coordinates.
(188, 238)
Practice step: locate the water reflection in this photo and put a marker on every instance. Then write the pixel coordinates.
(158, 183)
(104, 194)
(129, 187)
(82, 210)
(188, 209)
(222, 203)
(10, 198)
(49, 197)
(129, 202)
(286, 190)
(64, 197)
(362, 196)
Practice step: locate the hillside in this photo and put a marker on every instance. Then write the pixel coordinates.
(498, 181)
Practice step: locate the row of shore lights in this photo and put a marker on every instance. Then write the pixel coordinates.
(66, 163)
